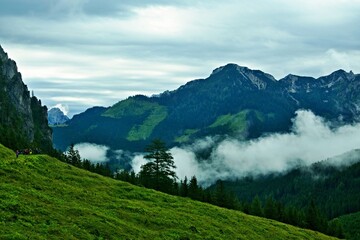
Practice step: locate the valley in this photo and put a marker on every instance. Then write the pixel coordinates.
(278, 149)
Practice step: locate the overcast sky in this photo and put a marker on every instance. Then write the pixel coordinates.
(84, 53)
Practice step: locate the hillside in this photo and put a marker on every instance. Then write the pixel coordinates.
(233, 101)
(43, 198)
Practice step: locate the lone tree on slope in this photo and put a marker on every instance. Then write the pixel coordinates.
(159, 172)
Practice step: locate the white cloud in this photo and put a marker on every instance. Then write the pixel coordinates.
(185, 162)
(93, 152)
(311, 140)
(137, 162)
(63, 107)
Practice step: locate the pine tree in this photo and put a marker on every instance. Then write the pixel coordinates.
(256, 207)
(147, 175)
(159, 172)
(86, 164)
(314, 219)
(194, 190)
(73, 156)
(270, 209)
(184, 187)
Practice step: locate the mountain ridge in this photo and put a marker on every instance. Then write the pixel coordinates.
(196, 106)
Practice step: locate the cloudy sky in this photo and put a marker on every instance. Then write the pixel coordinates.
(82, 53)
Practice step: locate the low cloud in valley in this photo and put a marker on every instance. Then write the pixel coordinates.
(93, 152)
(311, 140)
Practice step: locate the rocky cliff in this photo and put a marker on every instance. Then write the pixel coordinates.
(23, 120)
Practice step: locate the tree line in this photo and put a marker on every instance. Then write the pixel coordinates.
(72, 156)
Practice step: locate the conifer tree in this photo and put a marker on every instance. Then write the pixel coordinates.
(314, 219)
(184, 187)
(194, 190)
(73, 156)
(270, 209)
(159, 172)
(256, 207)
(220, 194)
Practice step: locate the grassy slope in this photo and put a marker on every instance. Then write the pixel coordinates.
(351, 223)
(43, 198)
(235, 122)
(144, 130)
(186, 136)
(153, 114)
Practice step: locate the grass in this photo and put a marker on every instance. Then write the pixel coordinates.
(143, 131)
(152, 113)
(186, 137)
(132, 107)
(235, 123)
(43, 198)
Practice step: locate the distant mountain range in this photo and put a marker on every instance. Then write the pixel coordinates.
(232, 101)
(57, 117)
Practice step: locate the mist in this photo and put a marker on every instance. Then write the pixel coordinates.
(93, 152)
(310, 140)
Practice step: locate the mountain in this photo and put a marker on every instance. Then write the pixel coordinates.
(233, 100)
(335, 95)
(23, 119)
(43, 198)
(56, 117)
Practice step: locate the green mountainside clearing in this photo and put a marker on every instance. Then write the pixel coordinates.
(43, 198)
(150, 113)
(133, 107)
(186, 137)
(235, 122)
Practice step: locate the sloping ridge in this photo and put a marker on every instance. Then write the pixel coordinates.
(190, 112)
(43, 198)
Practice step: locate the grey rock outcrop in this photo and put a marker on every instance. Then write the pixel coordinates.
(56, 117)
(21, 116)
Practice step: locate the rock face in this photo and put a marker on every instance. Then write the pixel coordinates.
(23, 120)
(56, 117)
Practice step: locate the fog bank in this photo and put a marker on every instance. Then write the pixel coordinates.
(93, 152)
(311, 140)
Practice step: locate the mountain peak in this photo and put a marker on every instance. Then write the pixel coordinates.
(337, 77)
(229, 66)
(342, 72)
(244, 76)
(3, 55)
(56, 117)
